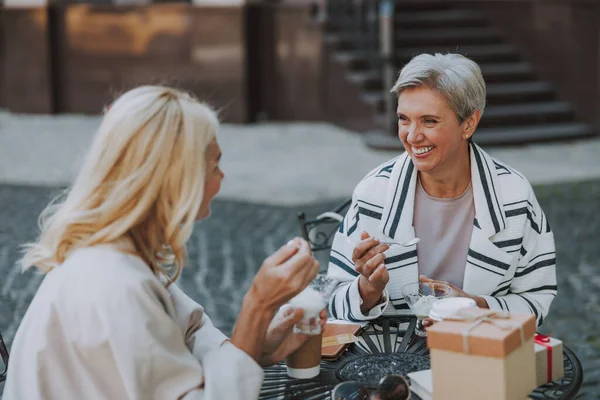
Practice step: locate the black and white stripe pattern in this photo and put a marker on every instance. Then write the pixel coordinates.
(511, 258)
(399, 196)
(486, 174)
(370, 210)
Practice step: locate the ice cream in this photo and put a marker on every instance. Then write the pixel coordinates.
(422, 306)
(311, 301)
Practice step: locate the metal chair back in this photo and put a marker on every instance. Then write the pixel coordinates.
(320, 231)
(4, 358)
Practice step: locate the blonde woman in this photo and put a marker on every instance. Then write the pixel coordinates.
(108, 322)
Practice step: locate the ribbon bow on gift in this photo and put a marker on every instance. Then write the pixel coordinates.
(545, 341)
(480, 316)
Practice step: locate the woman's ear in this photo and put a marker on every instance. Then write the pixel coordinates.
(470, 124)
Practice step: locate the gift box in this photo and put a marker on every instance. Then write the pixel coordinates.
(548, 359)
(483, 354)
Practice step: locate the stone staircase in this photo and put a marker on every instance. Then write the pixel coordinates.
(521, 108)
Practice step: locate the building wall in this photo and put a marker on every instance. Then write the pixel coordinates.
(562, 40)
(25, 82)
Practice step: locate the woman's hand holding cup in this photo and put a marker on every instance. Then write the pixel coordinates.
(281, 341)
(457, 292)
(284, 274)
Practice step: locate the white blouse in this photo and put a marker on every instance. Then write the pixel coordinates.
(102, 326)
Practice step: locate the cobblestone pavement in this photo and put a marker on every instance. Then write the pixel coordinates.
(226, 250)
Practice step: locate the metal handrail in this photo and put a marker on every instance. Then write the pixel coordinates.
(387, 29)
(371, 24)
(354, 17)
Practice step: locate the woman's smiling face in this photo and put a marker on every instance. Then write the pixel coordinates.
(430, 130)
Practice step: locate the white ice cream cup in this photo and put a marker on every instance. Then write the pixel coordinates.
(312, 302)
(447, 308)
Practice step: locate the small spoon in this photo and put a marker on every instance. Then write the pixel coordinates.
(406, 244)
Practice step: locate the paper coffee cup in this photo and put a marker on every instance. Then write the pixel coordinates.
(305, 363)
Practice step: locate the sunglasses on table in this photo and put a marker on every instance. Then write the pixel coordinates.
(391, 387)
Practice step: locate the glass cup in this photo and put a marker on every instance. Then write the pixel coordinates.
(313, 300)
(421, 296)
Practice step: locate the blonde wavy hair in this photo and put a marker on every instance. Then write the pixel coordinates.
(143, 179)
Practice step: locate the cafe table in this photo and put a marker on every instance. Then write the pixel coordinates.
(385, 346)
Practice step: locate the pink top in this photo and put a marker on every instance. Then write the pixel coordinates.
(444, 227)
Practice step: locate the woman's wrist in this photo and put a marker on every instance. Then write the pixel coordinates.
(257, 309)
(253, 300)
(251, 327)
(370, 297)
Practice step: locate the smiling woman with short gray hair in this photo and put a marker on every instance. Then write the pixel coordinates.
(479, 225)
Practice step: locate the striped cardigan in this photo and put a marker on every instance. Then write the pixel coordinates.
(511, 257)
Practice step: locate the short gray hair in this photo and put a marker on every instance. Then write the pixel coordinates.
(457, 78)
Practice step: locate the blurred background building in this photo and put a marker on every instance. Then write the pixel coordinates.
(307, 60)
(303, 89)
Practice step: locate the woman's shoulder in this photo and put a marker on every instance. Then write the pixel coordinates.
(104, 260)
(98, 286)
(385, 169)
(379, 176)
(95, 273)
(514, 185)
